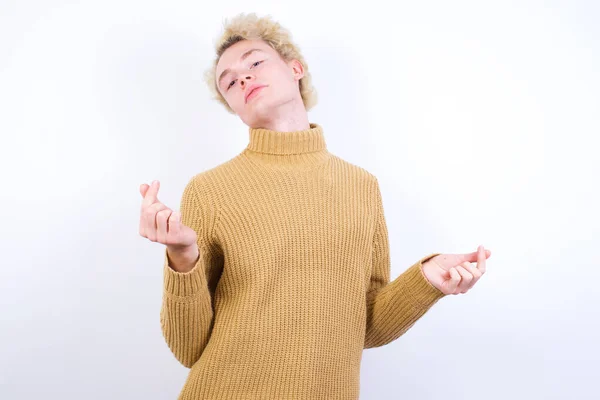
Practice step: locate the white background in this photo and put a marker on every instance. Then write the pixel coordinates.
(480, 119)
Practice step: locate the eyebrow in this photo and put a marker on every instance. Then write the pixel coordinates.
(242, 58)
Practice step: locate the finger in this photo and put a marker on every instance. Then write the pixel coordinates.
(173, 224)
(143, 189)
(473, 270)
(151, 195)
(143, 218)
(481, 259)
(150, 219)
(453, 282)
(162, 226)
(476, 273)
(466, 279)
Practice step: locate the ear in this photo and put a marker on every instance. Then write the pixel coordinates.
(297, 69)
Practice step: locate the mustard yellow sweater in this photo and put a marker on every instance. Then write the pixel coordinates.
(293, 279)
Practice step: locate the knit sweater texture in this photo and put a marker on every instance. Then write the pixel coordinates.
(293, 278)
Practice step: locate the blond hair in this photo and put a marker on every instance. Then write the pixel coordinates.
(249, 27)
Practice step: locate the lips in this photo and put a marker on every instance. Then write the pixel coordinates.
(252, 89)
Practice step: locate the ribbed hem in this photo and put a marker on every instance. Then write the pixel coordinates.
(422, 293)
(182, 285)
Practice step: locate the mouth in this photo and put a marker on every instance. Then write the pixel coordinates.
(254, 92)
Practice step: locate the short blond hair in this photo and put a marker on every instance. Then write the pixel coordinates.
(251, 27)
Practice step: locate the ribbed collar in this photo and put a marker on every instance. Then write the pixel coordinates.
(268, 141)
(296, 151)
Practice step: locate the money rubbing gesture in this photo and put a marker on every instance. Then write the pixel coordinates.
(160, 224)
(453, 273)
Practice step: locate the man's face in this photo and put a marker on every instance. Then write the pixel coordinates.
(263, 67)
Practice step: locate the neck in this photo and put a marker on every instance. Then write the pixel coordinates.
(292, 117)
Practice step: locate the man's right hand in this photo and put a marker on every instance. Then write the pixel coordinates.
(160, 224)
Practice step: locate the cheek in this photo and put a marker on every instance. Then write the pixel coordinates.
(234, 97)
(282, 84)
(275, 76)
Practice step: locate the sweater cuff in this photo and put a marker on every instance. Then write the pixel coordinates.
(422, 293)
(184, 284)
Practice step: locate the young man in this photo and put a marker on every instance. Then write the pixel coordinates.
(277, 270)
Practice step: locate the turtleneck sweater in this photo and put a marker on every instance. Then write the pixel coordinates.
(293, 276)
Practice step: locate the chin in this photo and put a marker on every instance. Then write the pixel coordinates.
(260, 107)
(250, 119)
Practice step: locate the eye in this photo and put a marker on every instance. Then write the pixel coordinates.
(230, 84)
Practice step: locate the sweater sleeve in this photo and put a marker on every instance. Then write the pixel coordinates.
(394, 307)
(186, 314)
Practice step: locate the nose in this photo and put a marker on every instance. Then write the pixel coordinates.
(244, 82)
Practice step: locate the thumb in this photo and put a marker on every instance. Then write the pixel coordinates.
(150, 193)
(472, 257)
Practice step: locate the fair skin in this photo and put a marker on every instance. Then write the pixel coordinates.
(454, 273)
(277, 106)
